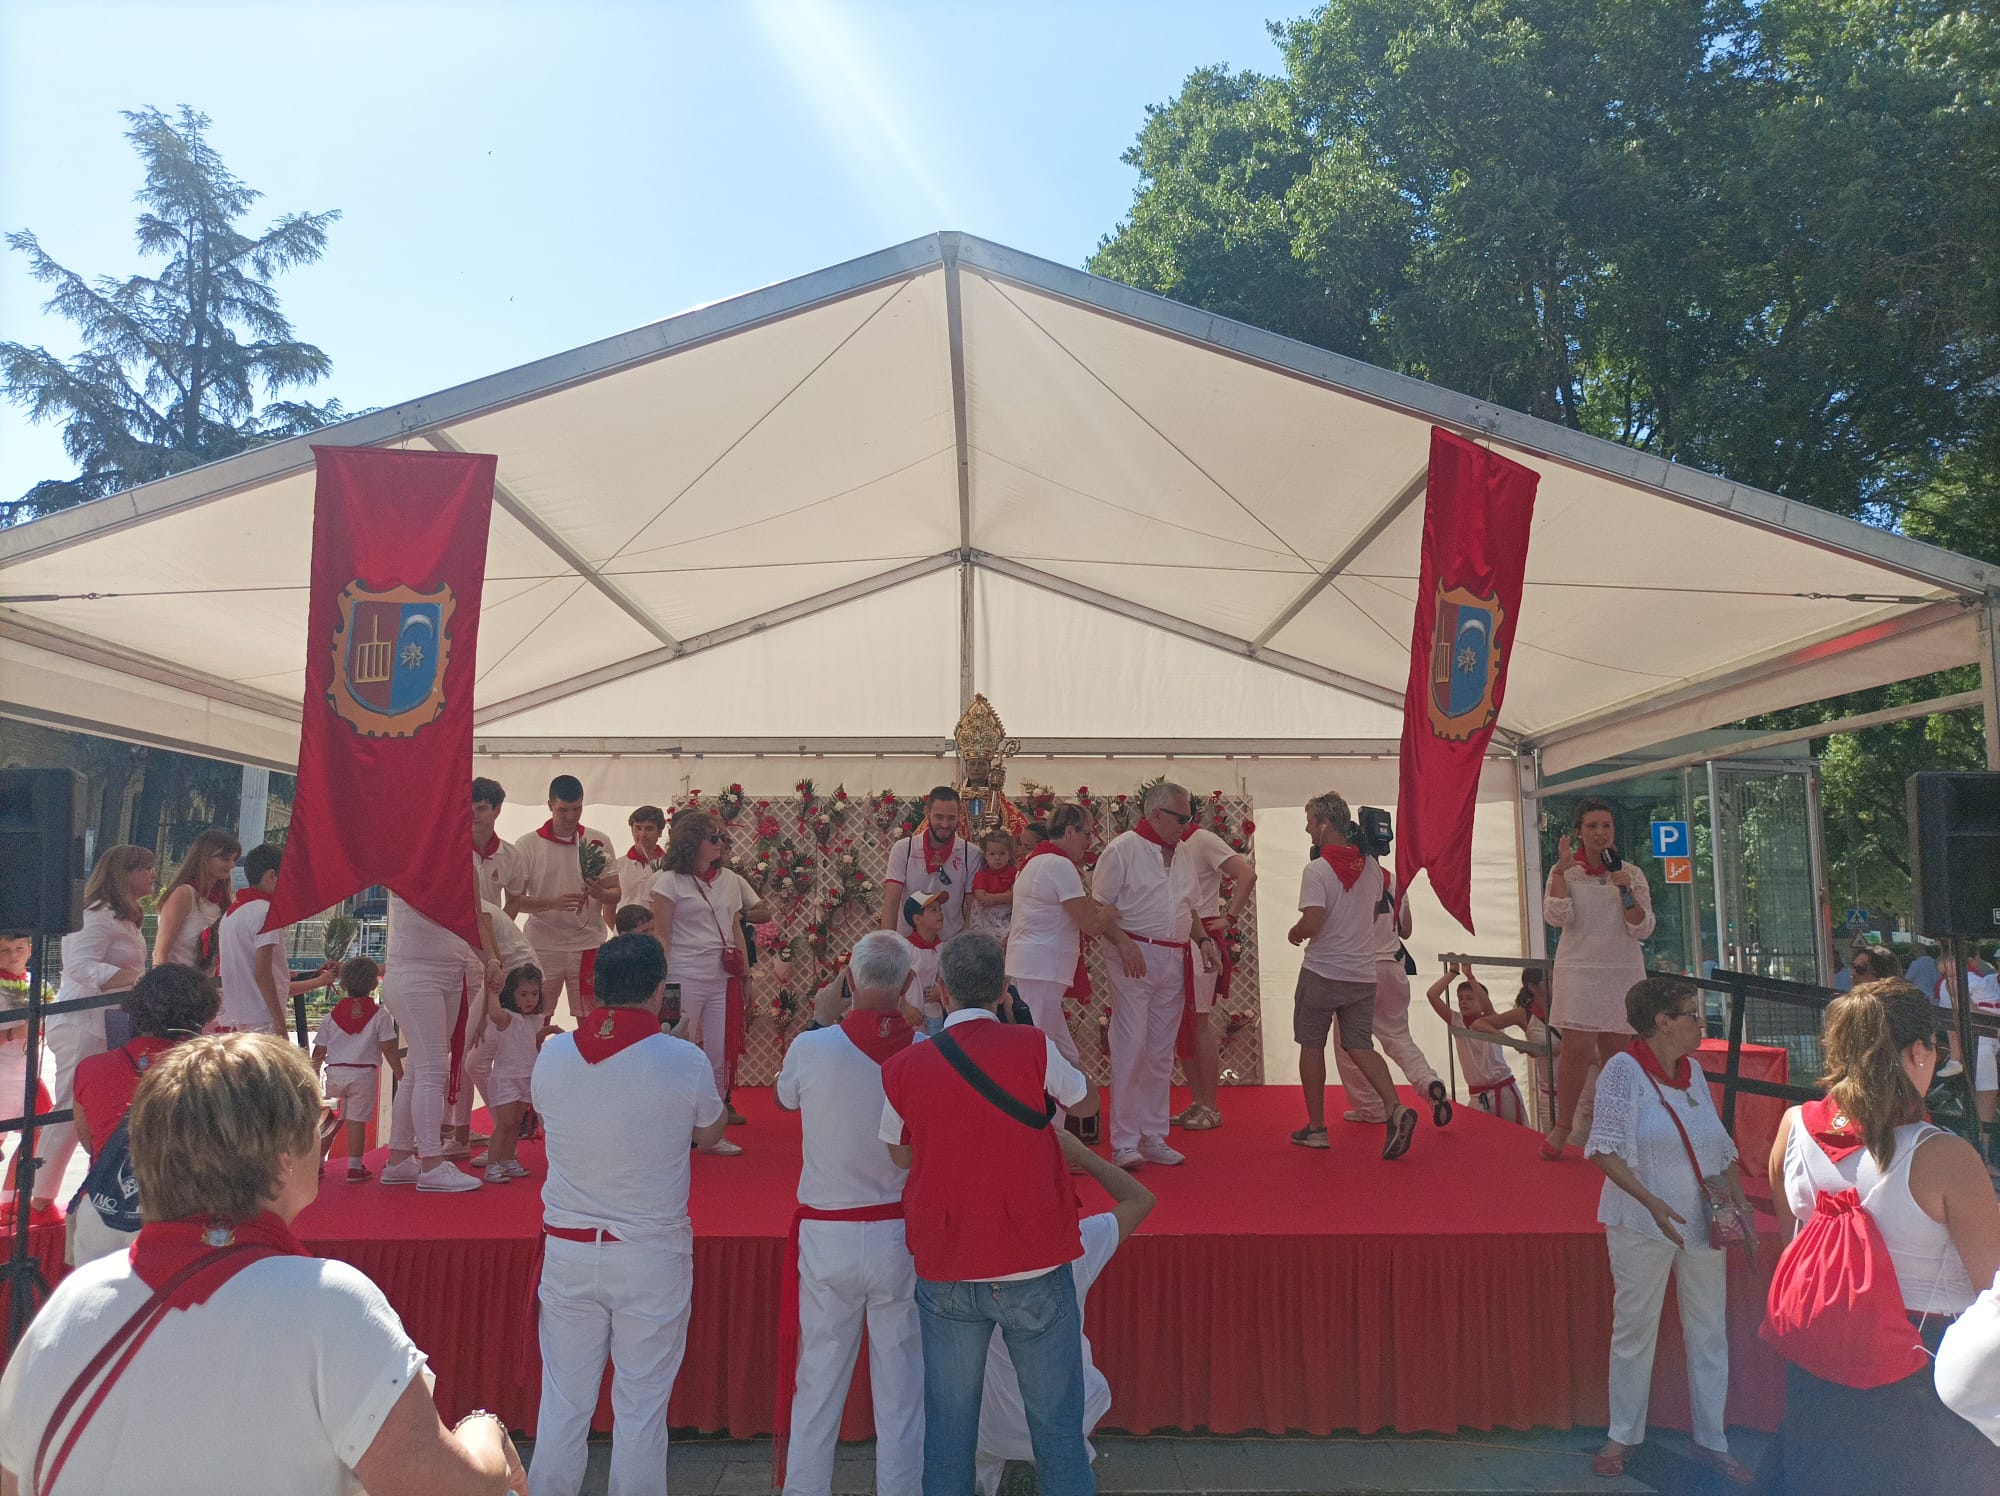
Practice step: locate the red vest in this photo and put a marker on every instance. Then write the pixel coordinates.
(987, 1197)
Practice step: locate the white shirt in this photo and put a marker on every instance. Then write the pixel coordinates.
(705, 919)
(364, 1048)
(1154, 897)
(512, 1049)
(95, 952)
(1968, 1364)
(1984, 988)
(1633, 1123)
(198, 1410)
(241, 936)
(414, 936)
(1003, 1421)
(187, 940)
(501, 874)
(906, 866)
(926, 971)
(838, 1092)
(1204, 853)
(635, 879)
(551, 870)
(619, 1133)
(1484, 1064)
(509, 944)
(1344, 949)
(1043, 941)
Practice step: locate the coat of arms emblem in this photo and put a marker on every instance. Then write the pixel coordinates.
(1465, 660)
(390, 652)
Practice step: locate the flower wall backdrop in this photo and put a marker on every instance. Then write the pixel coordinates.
(818, 854)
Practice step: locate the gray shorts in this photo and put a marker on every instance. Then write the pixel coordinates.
(1319, 1000)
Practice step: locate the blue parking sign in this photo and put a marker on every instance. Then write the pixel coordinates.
(1670, 839)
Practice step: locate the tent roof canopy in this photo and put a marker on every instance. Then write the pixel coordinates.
(832, 508)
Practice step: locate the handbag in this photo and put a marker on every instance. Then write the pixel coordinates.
(1727, 1226)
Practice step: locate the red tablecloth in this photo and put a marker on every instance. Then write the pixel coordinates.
(1757, 1117)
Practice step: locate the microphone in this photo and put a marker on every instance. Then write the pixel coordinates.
(1613, 862)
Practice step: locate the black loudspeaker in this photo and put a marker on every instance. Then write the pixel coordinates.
(1955, 854)
(41, 850)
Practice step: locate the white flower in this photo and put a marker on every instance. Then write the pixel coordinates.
(763, 867)
(867, 886)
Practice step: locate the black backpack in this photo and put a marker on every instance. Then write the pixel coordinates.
(110, 1186)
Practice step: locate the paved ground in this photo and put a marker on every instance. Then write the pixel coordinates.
(1541, 1463)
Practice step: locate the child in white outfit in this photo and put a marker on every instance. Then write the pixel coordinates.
(512, 1026)
(353, 1043)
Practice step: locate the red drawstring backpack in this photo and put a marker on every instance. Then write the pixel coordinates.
(1835, 1309)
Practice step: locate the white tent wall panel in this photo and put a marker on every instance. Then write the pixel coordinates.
(1055, 668)
(40, 686)
(1279, 788)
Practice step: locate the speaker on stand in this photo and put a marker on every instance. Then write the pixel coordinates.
(1955, 883)
(41, 894)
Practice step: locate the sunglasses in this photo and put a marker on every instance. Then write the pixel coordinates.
(713, 841)
(1179, 819)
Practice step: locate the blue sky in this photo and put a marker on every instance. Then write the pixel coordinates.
(517, 179)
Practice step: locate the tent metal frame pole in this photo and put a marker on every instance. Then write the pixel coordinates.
(571, 556)
(954, 331)
(1793, 657)
(1989, 674)
(1528, 822)
(1765, 741)
(727, 634)
(1369, 533)
(86, 650)
(932, 747)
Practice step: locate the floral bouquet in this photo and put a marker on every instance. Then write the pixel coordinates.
(885, 809)
(336, 937)
(729, 804)
(592, 860)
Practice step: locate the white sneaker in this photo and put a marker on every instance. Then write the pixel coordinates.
(723, 1149)
(446, 1179)
(1127, 1158)
(497, 1174)
(405, 1172)
(514, 1169)
(1155, 1151)
(478, 1160)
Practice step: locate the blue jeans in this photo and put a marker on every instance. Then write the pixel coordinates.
(1043, 1328)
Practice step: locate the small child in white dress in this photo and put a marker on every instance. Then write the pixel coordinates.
(513, 1025)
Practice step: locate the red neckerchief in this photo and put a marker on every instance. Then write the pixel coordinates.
(218, 892)
(996, 879)
(877, 1034)
(934, 860)
(354, 1014)
(712, 874)
(547, 832)
(482, 853)
(920, 943)
(1346, 863)
(248, 896)
(608, 1030)
(1595, 869)
(1830, 1128)
(632, 855)
(1147, 833)
(1649, 1062)
(165, 1247)
(1041, 849)
(16, 978)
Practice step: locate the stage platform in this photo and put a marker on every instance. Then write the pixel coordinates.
(1274, 1289)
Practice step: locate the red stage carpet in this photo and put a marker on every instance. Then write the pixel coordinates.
(1275, 1288)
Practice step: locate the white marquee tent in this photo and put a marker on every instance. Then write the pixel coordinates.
(815, 518)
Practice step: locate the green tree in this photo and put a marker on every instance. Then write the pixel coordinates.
(174, 364)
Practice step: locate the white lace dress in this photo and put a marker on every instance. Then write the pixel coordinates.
(1601, 954)
(1632, 1122)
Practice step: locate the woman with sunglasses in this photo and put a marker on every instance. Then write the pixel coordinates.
(698, 910)
(1653, 1111)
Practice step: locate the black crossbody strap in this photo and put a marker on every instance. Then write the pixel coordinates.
(986, 1086)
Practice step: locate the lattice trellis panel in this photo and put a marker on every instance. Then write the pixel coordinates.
(833, 847)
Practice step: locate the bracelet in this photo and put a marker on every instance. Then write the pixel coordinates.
(480, 1413)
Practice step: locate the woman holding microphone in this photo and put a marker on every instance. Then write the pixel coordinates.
(1605, 911)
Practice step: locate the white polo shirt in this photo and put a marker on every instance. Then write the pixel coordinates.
(238, 939)
(1344, 949)
(1205, 852)
(1154, 897)
(364, 1048)
(838, 1092)
(635, 879)
(500, 873)
(619, 1133)
(907, 867)
(551, 870)
(1042, 940)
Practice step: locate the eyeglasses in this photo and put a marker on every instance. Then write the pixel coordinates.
(1179, 819)
(1687, 1012)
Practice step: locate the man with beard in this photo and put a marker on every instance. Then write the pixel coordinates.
(934, 860)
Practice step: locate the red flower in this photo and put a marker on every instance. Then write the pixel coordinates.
(1249, 828)
(1215, 794)
(1237, 843)
(1083, 789)
(840, 794)
(1121, 799)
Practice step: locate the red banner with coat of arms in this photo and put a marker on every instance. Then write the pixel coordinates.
(1478, 507)
(392, 642)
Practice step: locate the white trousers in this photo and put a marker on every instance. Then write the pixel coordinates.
(709, 996)
(423, 997)
(1639, 1269)
(851, 1272)
(1145, 1017)
(72, 1039)
(626, 1301)
(1045, 1001)
(563, 971)
(1392, 1037)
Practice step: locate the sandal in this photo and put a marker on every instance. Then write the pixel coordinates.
(1733, 1469)
(358, 1172)
(1610, 1466)
(1311, 1137)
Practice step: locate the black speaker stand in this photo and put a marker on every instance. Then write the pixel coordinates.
(21, 1274)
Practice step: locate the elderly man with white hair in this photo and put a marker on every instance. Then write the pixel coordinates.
(848, 1262)
(1160, 942)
